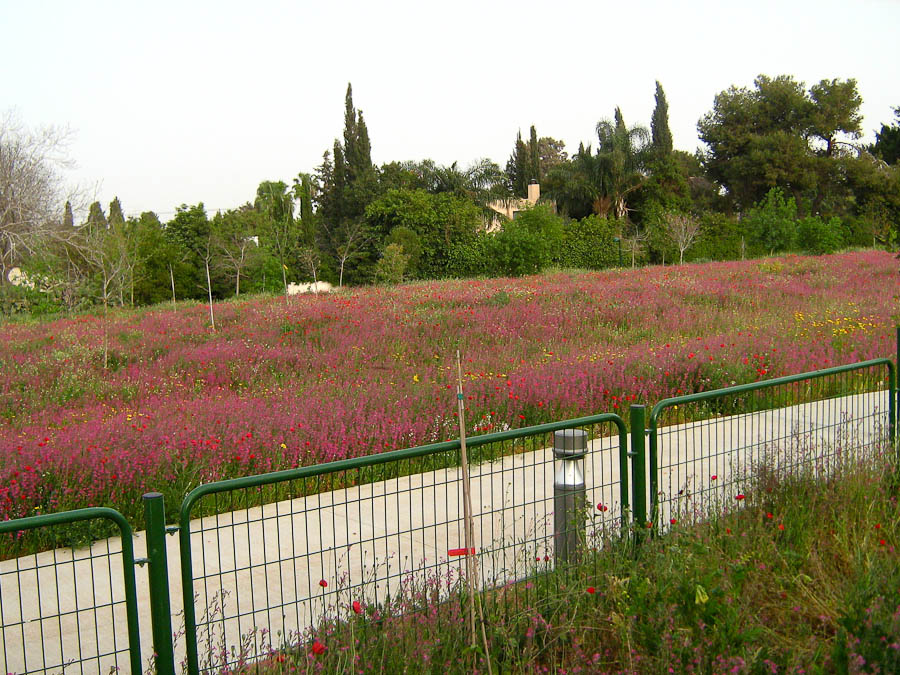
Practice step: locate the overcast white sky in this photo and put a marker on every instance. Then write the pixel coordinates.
(182, 102)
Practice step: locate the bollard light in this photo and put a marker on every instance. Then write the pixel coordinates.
(569, 494)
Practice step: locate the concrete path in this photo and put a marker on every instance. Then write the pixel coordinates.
(257, 571)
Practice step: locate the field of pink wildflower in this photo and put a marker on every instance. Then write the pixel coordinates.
(319, 378)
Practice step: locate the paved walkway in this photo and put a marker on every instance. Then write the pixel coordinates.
(258, 571)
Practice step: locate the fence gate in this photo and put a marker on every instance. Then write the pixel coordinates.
(266, 557)
(71, 610)
(705, 449)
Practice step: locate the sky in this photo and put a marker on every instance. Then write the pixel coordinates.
(183, 102)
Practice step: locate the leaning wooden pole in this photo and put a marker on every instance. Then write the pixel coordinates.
(468, 520)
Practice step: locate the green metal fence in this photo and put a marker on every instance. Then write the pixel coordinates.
(306, 544)
(704, 447)
(70, 610)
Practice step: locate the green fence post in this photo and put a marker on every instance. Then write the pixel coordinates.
(158, 576)
(638, 469)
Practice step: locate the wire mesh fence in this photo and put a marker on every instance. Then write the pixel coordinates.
(376, 533)
(707, 448)
(71, 610)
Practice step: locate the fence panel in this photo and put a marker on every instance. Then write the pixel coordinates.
(279, 553)
(705, 447)
(71, 610)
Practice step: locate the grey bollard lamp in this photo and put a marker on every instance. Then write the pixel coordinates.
(569, 493)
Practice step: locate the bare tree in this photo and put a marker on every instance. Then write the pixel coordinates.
(234, 239)
(309, 258)
(682, 229)
(105, 254)
(635, 244)
(348, 239)
(31, 189)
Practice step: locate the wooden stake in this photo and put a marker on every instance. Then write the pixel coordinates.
(468, 520)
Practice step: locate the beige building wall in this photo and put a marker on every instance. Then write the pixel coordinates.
(511, 207)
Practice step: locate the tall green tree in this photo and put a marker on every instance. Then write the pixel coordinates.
(661, 135)
(348, 183)
(777, 134)
(517, 167)
(352, 182)
(116, 215)
(534, 156)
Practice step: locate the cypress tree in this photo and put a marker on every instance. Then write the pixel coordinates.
(304, 192)
(96, 219)
(620, 120)
(363, 147)
(350, 132)
(116, 216)
(659, 125)
(68, 216)
(516, 167)
(534, 158)
(339, 183)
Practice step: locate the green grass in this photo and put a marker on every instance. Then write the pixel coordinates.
(804, 579)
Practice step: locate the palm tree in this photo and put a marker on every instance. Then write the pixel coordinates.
(623, 154)
(579, 186)
(482, 182)
(601, 182)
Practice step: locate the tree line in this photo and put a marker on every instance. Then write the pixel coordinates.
(782, 169)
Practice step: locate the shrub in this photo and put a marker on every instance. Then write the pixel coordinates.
(589, 244)
(721, 238)
(517, 250)
(469, 258)
(411, 244)
(527, 244)
(771, 225)
(391, 267)
(818, 236)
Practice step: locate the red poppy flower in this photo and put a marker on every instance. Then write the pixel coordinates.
(357, 607)
(769, 516)
(739, 497)
(318, 648)
(323, 583)
(713, 477)
(591, 590)
(673, 521)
